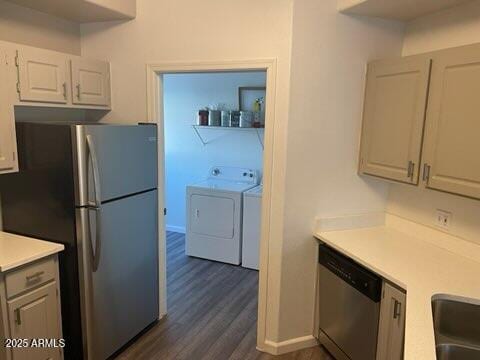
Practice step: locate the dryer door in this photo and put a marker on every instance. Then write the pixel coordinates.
(212, 216)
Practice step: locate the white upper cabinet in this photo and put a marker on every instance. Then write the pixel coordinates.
(415, 116)
(452, 145)
(90, 82)
(8, 156)
(394, 112)
(42, 76)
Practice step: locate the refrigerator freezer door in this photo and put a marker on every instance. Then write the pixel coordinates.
(126, 157)
(121, 295)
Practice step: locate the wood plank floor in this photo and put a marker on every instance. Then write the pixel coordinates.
(212, 314)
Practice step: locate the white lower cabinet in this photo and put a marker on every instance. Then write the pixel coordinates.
(31, 317)
(391, 330)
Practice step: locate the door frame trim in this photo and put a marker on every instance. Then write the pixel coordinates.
(154, 72)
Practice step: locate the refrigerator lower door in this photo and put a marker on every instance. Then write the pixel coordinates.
(125, 157)
(121, 290)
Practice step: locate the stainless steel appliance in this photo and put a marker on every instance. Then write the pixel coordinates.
(349, 306)
(92, 188)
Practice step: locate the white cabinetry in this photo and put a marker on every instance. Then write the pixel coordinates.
(394, 113)
(396, 139)
(35, 316)
(8, 147)
(49, 78)
(30, 310)
(90, 82)
(42, 76)
(32, 77)
(391, 331)
(451, 147)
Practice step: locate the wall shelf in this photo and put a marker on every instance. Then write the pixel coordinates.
(403, 10)
(199, 128)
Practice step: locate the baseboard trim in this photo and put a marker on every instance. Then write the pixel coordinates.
(284, 347)
(178, 229)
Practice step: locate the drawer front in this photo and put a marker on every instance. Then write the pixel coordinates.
(29, 276)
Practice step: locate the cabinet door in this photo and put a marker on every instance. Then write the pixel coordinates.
(35, 316)
(90, 82)
(7, 124)
(394, 113)
(42, 76)
(391, 331)
(452, 145)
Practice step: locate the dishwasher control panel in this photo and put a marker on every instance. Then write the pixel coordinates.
(351, 272)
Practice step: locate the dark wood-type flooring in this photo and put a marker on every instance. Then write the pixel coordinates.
(212, 314)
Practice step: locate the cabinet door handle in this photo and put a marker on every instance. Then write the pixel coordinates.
(18, 318)
(78, 91)
(65, 90)
(426, 172)
(35, 275)
(397, 309)
(411, 167)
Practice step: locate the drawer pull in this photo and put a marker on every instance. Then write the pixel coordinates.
(35, 275)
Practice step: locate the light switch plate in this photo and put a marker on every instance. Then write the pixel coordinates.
(443, 219)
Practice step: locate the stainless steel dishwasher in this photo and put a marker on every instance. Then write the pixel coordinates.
(349, 306)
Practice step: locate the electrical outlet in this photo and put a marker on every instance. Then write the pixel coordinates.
(444, 219)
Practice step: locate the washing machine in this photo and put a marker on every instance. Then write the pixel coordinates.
(252, 211)
(214, 214)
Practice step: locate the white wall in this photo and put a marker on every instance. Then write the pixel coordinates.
(205, 31)
(329, 56)
(453, 27)
(448, 28)
(29, 27)
(187, 160)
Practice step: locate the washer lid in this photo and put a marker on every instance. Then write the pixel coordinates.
(223, 185)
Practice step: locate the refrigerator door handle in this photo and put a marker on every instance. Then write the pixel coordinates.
(95, 206)
(96, 175)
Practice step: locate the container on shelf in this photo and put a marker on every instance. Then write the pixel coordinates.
(225, 116)
(235, 119)
(214, 118)
(257, 119)
(202, 118)
(246, 119)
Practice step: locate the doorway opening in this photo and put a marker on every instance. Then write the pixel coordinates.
(214, 136)
(205, 137)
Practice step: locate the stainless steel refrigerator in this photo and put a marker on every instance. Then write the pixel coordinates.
(92, 188)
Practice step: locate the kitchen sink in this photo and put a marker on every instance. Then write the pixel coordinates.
(457, 328)
(457, 352)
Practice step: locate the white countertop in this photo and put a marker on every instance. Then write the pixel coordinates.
(423, 261)
(18, 250)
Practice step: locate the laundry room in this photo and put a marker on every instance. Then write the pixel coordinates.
(214, 138)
